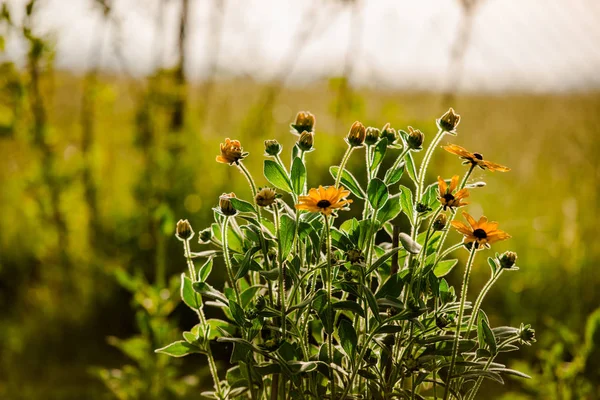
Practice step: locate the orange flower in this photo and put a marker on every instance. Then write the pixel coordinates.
(481, 233)
(448, 199)
(475, 159)
(324, 200)
(231, 152)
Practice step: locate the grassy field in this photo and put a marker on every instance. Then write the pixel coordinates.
(103, 188)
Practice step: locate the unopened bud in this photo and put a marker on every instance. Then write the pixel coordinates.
(355, 256)
(305, 143)
(205, 236)
(356, 135)
(225, 204)
(372, 136)
(261, 303)
(389, 133)
(305, 121)
(526, 334)
(184, 230)
(508, 259)
(422, 207)
(266, 196)
(415, 138)
(440, 222)
(449, 121)
(272, 147)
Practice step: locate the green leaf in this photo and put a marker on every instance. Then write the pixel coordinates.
(484, 332)
(277, 176)
(393, 176)
(178, 349)
(392, 287)
(409, 244)
(509, 371)
(350, 306)
(348, 181)
(493, 265)
(247, 295)
(242, 205)
(381, 260)
(238, 313)
(410, 167)
(287, 228)
(443, 268)
(271, 274)
(219, 328)
(377, 192)
(390, 210)
(348, 337)
(205, 270)
(246, 263)
(298, 174)
(379, 153)
(188, 295)
(406, 200)
(372, 302)
(390, 329)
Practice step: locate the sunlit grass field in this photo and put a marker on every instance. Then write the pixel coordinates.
(59, 299)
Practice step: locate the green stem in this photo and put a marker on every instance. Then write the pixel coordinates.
(281, 271)
(228, 266)
(480, 298)
(361, 355)
(477, 385)
(397, 163)
(425, 164)
(461, 309)
(329, 303)
(200, 311)
(343, 165)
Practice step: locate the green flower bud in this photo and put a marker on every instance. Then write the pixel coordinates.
(372, 136)
(508, 259)
(305, 142)
(389, 133)
(355, 256)
(205, 236)
(184, 231)
(225, 204)
(272, 147)
(449, 121)
(415, 139)
(526, 334)
(440, 222)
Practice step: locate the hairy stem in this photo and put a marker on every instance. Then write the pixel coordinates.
(343, 165)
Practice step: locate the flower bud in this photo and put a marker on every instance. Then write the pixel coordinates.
(442, 320)
(305, 121)
(205, 236)
(261, 303)
(184, 230)
(422, 207)
(440, 222)
(508, 259)
(265, 197)
(251, 313)
(355, 256)
(526, 334)
(389, 133)
(372, 136)
(415, 138)
(305, 143)
(356, 135)
(225, 204)
(449, 121)
(272, 147)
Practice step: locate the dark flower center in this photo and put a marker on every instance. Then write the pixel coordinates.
(323, 203)
(479, 233)
(478, 156)
(448, 197)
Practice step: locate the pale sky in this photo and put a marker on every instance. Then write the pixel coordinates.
(517, 45)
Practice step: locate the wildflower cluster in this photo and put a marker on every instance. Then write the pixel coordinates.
(320, 307)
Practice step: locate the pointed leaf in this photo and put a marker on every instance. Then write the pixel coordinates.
(298, 175)
(348, 181)
(277, 176)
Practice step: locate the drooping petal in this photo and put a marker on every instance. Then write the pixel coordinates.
(453, 183)
(442, 187)
(470, 219)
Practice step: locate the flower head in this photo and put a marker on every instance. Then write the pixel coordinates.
(449, 121)
(305, 142)
(479, 233)
(447, 197)
(324, 200)
(508, 259)
(184, 230)
(265, 197)
(372, 136)
(415, 139)
(272, 147)
(205, 236)
(389, 133)
(231, 152)
(357, 134)
(526, 334)
(475, 159)
(305, 121)
(225, 204)
(440, 222)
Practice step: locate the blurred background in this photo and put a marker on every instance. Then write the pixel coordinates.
(111, 115)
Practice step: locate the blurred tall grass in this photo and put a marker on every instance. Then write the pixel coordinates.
(124, 176)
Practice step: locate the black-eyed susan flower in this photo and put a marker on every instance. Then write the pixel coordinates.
(475, 159)
(480, 233)
(265, 196)
(231, 152)
(357, 134)
(305, 121)
(449, 121)
(324, 200)
(448, 198)
(225, 204)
